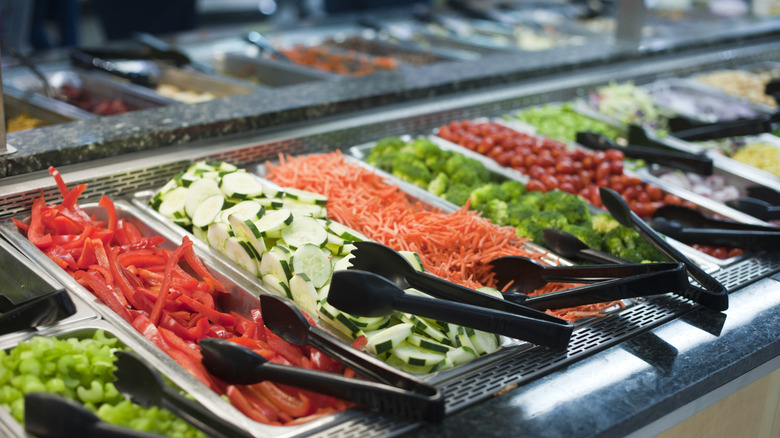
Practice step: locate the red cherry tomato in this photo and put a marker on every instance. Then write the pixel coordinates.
(535, 185)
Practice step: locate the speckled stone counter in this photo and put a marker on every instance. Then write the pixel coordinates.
(638, 386)
(277, 107)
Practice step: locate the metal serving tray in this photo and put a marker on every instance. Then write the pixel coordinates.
(180, 379)
(15, 104)
(188, 80)
(242, 298)
(96, 85)
(260, 71)
(83, 311)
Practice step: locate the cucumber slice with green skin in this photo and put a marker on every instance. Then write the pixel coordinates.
(483, 342)
(310, 260)
(240, 185)
(417, 356)
(304, 293)
(414, 259)
(217, 234)
(207, 211)
(271, 190)
(460, 355)
(370, 323)
(269, 203)
(425, 328)
(445, 364)
(173, 202)
(490, 291)
(343, 263)
(277, 285)
(427, 343)
(338, 320)
(465, 342)
(304, 230)
(272, 222)
(305, 197)
(224, 167)
(247, 210)
(270, 263)
(198, 192)
(246, 229)
(303, 209)
(168, 187)
(201, 235)
(388, 339)
(242, 253)
(345, 232)
(322, 294)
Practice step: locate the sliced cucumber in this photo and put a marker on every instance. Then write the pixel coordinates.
(270, 263)
(218, 233)
(242, 253)
(272, 222)
(370, 323)
(207, 210)
(304, 293)
(310, 260)
(246, 229)
(240, 185)
(464, 341)
(483, 342)
(490, 291)
(269, 203)
(303, 209)
(277, 285)
(445, 364)
(338, 320)
(414, 259)
(304, 230)
(345, 232)
(247, 210)
(201, 235)
(343, 263)
(417, 356)
(389, 338)
(425, 328)
(427, 343)
(198, 192)
(305, 197)
(173, 202)
(460, 355)
(271, 190)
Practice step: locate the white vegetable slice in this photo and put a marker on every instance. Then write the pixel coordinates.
(427, 343)
(343, 263)
(386, 340)
(483, 342)
(460, 356)
(246, 229)
(310, 260)
(270, 263)
(173, 202)
(240, 185)
(242, 253)
(304, 230)
(304, 209)
(417, 356)
(218, 233)
(198, 192)
(279, 286)
(246, 209)
(272, 222)
(208, 210)
(345, 232)
(338, 319)
(305, 196)
(304, 293)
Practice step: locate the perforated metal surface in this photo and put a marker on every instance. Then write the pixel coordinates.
(144, 172)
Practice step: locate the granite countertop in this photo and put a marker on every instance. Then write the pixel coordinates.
(273, 108)
(638, 385)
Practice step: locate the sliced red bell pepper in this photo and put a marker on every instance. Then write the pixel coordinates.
(108, 204)
(217, 331)
(120, 280)
(149, 331)
(360, 342)
(239, 401)
(72, 197)
(61, 257)
(65, 225)
(193, 366)
(260, 402)
(175, 341)
(293, 406)
(60, 182)
(323, 362)
(36, 232)
(165, 288)
(213, 315)
(197, 265)
(144, 243)
(142, 258)
(104, 292)
(23, 227)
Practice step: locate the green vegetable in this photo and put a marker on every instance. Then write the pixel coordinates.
(438, 186)
(603, 223)
(458, 194)
(562, 122)
(79, 369)
(483, 194)
(626, 243)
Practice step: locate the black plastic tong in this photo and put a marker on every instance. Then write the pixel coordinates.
(109, 61)
(676, 159)
(711, 294)
(692, 131)
(612, 282)
(40, 311)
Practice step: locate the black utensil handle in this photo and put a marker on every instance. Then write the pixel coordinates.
(539, 332)
(200, 417)
(44, 310)
(652, 283)
(448, 290)
(716, 296)
(107, 430)
(594, 255)
(365, 364)
(597, 273)
(750, 240)
(678, 160)
(726, 129)
(373, 395)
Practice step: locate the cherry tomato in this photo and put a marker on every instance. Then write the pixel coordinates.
(614, 155)
(603, 170)
(535, 185)
(549, 181)
(565, 166)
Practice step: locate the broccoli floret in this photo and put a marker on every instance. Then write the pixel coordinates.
(454, 162)
(485, 193)
(497, 211)
(465, 170)
(438, 185)
(458, 194)
(586, 234)
(436, 162)
(627, 243)
(551, 219)
(409, 168)
(530, 230)
(512, 190)
(384, 146)
(424, 148)
(572, 206)
(519, 213)
(603, 223)
(530, 199)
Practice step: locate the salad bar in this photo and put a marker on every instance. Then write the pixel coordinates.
(530, 255)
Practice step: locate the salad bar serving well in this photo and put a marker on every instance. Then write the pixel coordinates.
(586, 254)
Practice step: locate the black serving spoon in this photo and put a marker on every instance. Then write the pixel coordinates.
(570, 247)
(144, 386)
(49, 415)
(676, 159)
(236, 364)
(712, 294)
(364, 293)
(287, 322)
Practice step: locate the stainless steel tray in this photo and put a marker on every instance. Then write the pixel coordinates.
(242, 298)
(188, 80)
(99, 86)
(175, 374)
(15, 104)
(262, 72)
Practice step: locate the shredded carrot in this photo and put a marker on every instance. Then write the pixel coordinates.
(455, 246)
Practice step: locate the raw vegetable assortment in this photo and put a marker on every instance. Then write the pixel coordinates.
(81, 370)
(562, 122)
(627, 103)
(283, 237)
(149, 287)
(458, 252)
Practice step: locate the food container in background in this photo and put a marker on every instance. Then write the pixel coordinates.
(263, 72)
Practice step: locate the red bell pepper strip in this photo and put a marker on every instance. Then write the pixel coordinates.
(108, 204)
(58, 179)
(175, 341)
(217, 331)
(144, 243)
(165, 288)
(36, 231)
(104, 292)
(23, 227)
(65, 225)
(194, 367)
(120, 280)
(213, 315)
(293, 406)
(260, 402)
(149, 331)
(239, 401)
(197, 265)
(61, 257)
(321, 412)
(73, 196)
